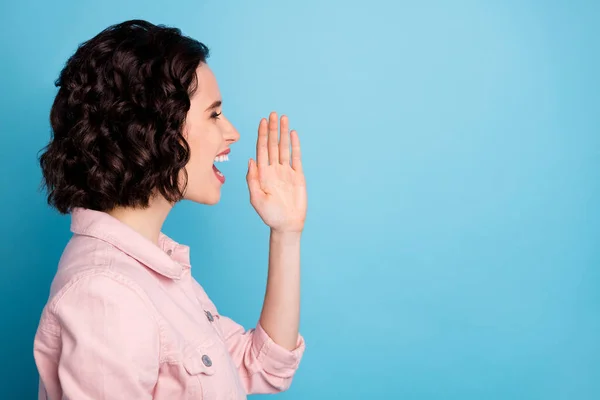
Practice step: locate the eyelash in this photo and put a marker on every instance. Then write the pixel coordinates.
(214, 115)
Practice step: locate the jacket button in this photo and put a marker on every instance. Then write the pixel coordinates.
(206, 360)
(209, 316)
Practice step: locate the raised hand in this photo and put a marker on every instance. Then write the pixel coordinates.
(276, 182)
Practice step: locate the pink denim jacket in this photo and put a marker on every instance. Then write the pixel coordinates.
(126, 320)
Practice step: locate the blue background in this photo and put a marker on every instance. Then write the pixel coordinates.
(452, 152)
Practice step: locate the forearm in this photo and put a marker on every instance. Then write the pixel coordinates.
(280, 315)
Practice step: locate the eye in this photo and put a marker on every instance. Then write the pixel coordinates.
(215, 115)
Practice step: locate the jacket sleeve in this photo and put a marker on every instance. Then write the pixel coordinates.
(110, 341)
(264, 366)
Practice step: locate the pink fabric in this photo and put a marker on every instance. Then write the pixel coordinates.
(126, 320)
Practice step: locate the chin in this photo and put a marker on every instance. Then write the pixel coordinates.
(209, 199)
(212, 201)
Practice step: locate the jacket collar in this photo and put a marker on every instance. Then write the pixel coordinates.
(169, 258)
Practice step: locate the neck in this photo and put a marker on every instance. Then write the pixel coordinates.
(146, 221)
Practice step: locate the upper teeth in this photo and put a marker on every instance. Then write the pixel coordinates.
(221, 158)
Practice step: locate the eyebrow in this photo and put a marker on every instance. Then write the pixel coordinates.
(214, 105)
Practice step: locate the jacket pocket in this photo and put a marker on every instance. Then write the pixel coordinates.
(209, 364)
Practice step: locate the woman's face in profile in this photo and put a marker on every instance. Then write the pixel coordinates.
(209, 135)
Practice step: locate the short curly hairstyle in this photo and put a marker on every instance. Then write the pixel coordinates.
(118, 117)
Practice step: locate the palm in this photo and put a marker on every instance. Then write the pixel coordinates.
(276, 181)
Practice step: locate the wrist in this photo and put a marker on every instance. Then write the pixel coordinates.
(286, 236)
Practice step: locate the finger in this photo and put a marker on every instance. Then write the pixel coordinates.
(253, 182)
(284, 141)
(296, 153)
(262, 153)
(273, 148)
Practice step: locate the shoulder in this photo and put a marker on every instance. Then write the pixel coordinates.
(98, 289)
(86, 259)
(103, 309)
(106, 315)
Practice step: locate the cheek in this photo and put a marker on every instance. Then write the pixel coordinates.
(203, 148)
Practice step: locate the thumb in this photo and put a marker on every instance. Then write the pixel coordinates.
(252, 180)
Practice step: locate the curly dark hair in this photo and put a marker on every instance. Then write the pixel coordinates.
(117, 119)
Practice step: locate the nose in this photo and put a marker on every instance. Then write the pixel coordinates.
(231, 134)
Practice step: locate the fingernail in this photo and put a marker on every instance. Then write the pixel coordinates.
(249, 163)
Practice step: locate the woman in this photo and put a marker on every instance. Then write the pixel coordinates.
(137, 126)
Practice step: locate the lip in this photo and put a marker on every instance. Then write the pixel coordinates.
(220, 177)
(223, 153)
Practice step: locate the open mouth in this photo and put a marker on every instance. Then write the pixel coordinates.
(221, 157)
